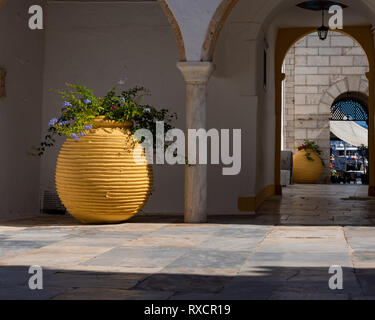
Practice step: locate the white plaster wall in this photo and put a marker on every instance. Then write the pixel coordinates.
(266, 115)
(21, 54)
(243, 35)
(233, 103)
(238, 81)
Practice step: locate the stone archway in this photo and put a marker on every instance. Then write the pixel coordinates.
(348, 84)
(175, 27)
(285, 40)
(216, 24)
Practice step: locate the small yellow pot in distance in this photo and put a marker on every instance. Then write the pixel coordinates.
(304, 170)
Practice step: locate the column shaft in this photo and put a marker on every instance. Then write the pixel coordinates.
(196, 75)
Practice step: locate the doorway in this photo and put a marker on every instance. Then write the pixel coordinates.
(349, 162)
(286, 40)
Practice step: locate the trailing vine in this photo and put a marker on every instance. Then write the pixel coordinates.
(311, 145)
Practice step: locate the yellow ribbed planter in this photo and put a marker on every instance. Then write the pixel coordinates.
(304, 170)
(97, 179)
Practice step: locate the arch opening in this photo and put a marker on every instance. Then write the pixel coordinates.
(349, 139)
(325, 100)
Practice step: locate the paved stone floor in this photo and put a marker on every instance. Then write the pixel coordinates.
(283, 252)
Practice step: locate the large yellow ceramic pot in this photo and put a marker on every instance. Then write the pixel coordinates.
(304, 170)
(98, 180)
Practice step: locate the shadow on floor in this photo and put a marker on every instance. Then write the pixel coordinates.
(258, 284)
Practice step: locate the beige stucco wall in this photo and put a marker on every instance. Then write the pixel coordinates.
(21, 54)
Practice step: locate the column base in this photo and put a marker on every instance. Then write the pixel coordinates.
(371, 191)
(195, 221)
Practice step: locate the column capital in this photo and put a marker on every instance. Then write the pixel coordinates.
(196, 72)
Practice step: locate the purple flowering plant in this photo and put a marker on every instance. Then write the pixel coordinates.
(81, 106)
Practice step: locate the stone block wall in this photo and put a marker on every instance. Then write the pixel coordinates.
(317, 72)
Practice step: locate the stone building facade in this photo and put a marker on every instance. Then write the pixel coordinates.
(317, 72)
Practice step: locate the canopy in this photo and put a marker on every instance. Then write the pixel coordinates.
(350, 132)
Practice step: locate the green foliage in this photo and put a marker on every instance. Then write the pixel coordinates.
(81, 107)
(311, 145)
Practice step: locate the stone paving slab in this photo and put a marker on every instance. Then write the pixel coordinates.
(35, 237)
(148, 257)
(297, 259)
(153, 241)
(230, 244)
(200, 258)
(54, 256)
(303, 245)
(11, 247)
(306, 232)
(88, 241)
(242, 233)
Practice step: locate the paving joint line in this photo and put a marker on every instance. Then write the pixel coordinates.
(351, 251)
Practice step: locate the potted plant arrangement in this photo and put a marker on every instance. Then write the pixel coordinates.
(97, 179)
(307, 163)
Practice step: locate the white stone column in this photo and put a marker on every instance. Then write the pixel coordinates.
(196, 75)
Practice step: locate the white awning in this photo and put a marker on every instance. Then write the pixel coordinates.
(350, 132)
